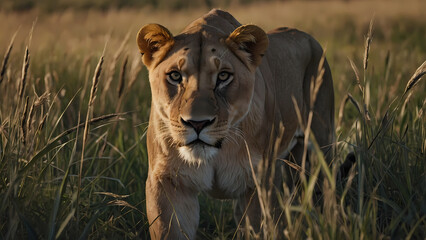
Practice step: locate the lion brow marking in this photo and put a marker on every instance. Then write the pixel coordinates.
(217, 62)
(181, 62)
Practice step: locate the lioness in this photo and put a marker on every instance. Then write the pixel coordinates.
(219, 92)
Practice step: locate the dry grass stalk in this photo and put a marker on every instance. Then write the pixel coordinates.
(24, 121)
(134, 71)
(314, 89)
(120, 90)
(6, 57)
(366, 113)
(95, 83)
(355, 69)
(90, 122)
(385, 119)
(48, 82)
(111, 69)
(422, 110)
(298, 113)
(306, 130)
(263, 205)
(383, 89)
(122, 77)
(367, 43)
(41, 124)
(317, 82)
(341, 110)
(293, 165)
(414, 80)
(26, 62)
(25, 66)
(31, 32)
(109, 194)
(44, 98)
(416, 77)
(3, 131)
(30, 117)
(355, 103)
(404, 105)
(367, 94)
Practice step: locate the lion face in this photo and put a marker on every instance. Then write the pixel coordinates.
(202, 85)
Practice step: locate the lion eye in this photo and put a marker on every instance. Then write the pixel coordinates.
(174, 77)
(223, 76)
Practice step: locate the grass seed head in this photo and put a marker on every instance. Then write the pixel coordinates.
(95, 81)
(367, 44)
(416, 77)
(6, 57)
(44, 98)
(25, 66)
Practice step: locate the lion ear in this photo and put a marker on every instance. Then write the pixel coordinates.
(249, 43)
(154, 42)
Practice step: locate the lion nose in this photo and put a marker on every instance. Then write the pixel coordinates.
(198, 125)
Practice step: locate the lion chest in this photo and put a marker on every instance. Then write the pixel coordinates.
(232, 177)
(221, 177)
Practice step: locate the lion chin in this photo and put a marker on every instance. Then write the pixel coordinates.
(197, 153)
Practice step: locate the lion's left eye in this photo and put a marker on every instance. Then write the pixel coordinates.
(224, 76)
(174, 77)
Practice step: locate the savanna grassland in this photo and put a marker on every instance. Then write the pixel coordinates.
(75, 101)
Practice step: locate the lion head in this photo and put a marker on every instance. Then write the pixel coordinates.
(202, 83)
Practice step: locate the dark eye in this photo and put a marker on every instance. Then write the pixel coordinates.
(224, 76)
(174, 77)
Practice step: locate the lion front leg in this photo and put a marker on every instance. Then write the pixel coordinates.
(247, 214)
(173, 212)
(257, 222)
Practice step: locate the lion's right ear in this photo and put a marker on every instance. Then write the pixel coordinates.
(249, 43)
(154, 42)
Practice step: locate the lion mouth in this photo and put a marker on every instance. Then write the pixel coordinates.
(217, 144)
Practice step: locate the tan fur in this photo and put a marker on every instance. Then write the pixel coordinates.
(245, 109)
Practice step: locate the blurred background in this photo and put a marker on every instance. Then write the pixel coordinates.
(50, 49)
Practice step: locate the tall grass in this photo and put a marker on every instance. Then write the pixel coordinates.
(73, 160)
(47, 190)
